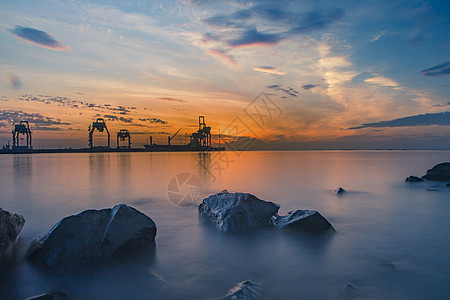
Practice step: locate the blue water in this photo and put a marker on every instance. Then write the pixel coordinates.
(392, 240)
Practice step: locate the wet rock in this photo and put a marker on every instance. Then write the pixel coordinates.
(440, 172)
(94, 235)
(245, 290)
(349, 287)
(10, 227)
(339, 191)
(414, 179)
(303, 220)
(56, 295)
(232, 212)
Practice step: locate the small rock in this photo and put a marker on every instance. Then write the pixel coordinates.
(94, 235)
(414, 179)
(303, 220)
(245, 290)
(339, 191)
(232, 212)
(10, 227)
(440, 172)
(447, 185)
(349, 287)
(56, 295)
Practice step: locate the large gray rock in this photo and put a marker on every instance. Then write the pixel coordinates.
(232, 212)
(440, 172)
(245, 290)
(303, 220)
(10, 227)
(94, 235)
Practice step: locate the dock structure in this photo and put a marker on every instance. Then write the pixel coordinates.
(100, 125)
(123, 135)
(201, 138)
(198, 141)
(23, 128)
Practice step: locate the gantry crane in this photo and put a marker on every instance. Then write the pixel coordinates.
(100, 125)
(22, 128)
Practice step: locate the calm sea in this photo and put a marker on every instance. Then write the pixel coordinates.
(392, 240)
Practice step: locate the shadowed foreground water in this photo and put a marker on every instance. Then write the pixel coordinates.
(392, 239)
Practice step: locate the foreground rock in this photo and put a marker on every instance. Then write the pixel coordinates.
(303, 220)
(245, 290)
(440, 172)
(94, 235)
(414, 179)
(57, 295)
(232, 212)
(10, 227)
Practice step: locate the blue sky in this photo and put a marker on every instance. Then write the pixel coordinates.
(344, 74)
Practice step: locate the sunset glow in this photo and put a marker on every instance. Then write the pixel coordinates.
(342, 74)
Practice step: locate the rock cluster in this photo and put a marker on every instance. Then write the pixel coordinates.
(440, 172)
(233, 212)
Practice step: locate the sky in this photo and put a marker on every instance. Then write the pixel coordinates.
(282, 74)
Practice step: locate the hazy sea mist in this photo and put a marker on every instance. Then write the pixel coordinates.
(392, 239)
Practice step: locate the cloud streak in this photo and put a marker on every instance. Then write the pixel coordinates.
(39, 38)
(238, 29)
(442, 118)
(268, 69)
(439, 70)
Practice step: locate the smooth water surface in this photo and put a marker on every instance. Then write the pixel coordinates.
(392, 240)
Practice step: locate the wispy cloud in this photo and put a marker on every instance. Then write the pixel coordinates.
(382, 81)
(442, 118)
(39, 121)
(288, 91)
(269, 69)
(153, 120)
(309, 86)
(223, 54)
(238, 29)
(39, 38)
(170, 99)
(439, 70)
(14, 81)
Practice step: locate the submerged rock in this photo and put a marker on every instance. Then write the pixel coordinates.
(440, 172)
(94, 235)
(10, 227)
(414, 179)
(303, 220)
(245, 290)
(339, 191)
(232, 212)
(56, 295)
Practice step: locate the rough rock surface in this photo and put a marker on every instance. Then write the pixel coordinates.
(414, 179)
(232, 212)
(56, 295)
(10, 227)
(245, 290)
(339, 191)
(94, 235)
(440, 172)
(303, 220)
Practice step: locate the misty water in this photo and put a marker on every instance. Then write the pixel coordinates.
(392, 239)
